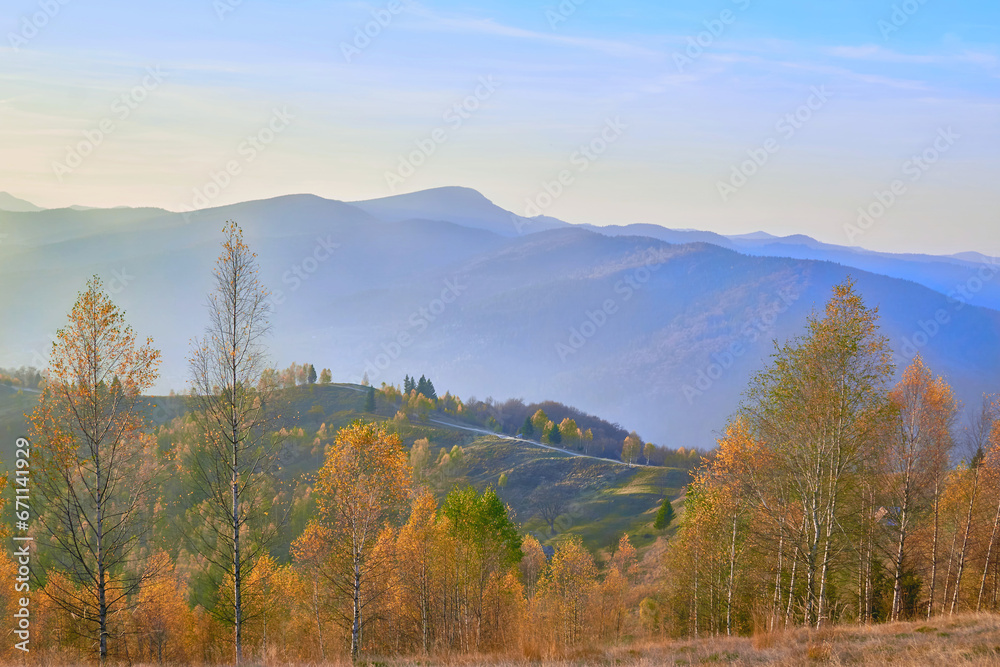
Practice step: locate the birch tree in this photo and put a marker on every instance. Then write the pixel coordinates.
(360, 490)
(819, 406)
(920, 442)
(94, 476)
(234, 410)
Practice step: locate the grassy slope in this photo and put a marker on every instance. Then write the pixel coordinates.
(606, 499)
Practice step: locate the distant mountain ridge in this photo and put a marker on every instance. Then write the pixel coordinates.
(9, 202)
(651, 327)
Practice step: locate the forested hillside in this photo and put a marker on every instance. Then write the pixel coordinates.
(272, 514)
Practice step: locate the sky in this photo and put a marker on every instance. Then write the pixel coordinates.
(858, 122)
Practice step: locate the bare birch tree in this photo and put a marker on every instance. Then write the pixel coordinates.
(234, 409)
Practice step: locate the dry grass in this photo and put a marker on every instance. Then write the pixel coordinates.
(970, 639)
(961, 640)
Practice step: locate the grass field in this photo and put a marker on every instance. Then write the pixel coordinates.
(972, 639)
(606, 499)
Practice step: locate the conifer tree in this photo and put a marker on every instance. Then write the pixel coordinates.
(665, 515)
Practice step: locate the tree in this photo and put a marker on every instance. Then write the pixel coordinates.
(527, 429)
(489, 546)
(992, 467)
(532, 564)
(665, 515)
(311, 376)
(920, 441)
(162, 618)
(648, 450)
(234, 412)
(425, 387)
(550, 503)
(977, 440)
(360, 489)
(94, 478)
(631, 447)
(616, 587)
(408, 384)
(567, 589)
(539, 420)
(325, 376)
(553, 435)
(370, 400)
(311, 550)
(819, 409)
(569, 430)
(418, 550)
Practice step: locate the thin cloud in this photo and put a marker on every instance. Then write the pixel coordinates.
(876, 53)
(465, 25)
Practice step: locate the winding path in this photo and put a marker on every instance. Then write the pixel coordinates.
(529, 442)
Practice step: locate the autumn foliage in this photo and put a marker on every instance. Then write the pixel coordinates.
(835, 496)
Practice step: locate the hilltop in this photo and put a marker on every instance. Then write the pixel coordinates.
(597, 498)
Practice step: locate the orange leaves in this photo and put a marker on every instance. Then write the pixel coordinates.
(93, 478)
(366, 471)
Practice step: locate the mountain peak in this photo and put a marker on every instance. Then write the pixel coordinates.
(9, 202)
(453, 195)
(455, 204)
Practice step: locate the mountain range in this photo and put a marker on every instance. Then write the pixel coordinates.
(657, 329)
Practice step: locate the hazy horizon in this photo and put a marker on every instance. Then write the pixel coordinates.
(826, 108)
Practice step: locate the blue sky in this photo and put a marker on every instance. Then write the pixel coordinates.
(873, 83)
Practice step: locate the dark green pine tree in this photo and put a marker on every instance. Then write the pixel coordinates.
(422, 385)
(527, 429)
(370, 400)
(408, 384)
(430, 393)
(665, 515)
(312, 374)
(555, 437)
